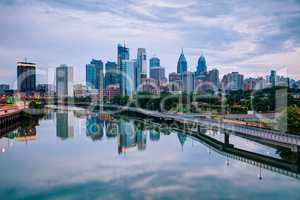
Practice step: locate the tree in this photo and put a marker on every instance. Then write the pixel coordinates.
(290, 120)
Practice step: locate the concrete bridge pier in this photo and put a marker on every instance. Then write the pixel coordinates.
(226, 140)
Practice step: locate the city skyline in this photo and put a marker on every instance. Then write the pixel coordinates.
(231, 41)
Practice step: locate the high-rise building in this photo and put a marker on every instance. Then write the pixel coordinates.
(137, 76)
(154, 62)
(181, 64)
(201, 67)
(273, 78)
(213, 77)
(188, 82)
(157, 73)
(142, 61)
(173, 77)
(249, 84)
(111, 74)
(123, 54)
(99, 73)
(26, 76)
(233, 81)
(94, 74)
(4, 88)
(64, 81)
(127, 78)
(175, 83)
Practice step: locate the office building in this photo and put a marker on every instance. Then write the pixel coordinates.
(64, 81)
(181, 64)
(111, 73)
(201, 67)
(127, 78)
(142, 62)
(3, 88)
(94, 74)
(137, 76)
(188, 82)
(26, 76)
(154, 62)
(157, 73)
(233, 81)
(213, 78)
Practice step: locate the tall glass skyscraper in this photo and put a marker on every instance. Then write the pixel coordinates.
(181, 64)
(64, 81)
(26, 76)
(94, 74)
(127, 78)
(154, 62)
(142, 62)
(201, 67)
(123, 54)
(111, 73)
(137, 76)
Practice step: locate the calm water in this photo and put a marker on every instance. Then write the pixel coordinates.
(72, 156)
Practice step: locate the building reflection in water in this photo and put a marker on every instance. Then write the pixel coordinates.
(154, 136)
(94, 128)
(182, 139)
(111, 130)
(130, 138)
(64, 125)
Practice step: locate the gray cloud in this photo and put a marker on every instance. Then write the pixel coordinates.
(228, 32)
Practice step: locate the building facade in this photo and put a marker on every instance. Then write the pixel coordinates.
(64, 81)
(111, 73)
(201, 67)
(26, 76)
(142, 62)
(154, 62)
(127, 78)
(181, 64)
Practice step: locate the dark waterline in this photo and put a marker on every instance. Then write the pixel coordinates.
(67, 156)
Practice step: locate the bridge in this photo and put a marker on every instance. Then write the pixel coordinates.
(291, 169)
(271, 136)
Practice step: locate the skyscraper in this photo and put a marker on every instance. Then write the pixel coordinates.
(157, 73)
(188, 82)
(94, 74)
(26, 76)
(154, 62)
(64, 81)
(123, 54)
(273, 78)
(233, 81)
(213, 77)
(137, 76)
(127, 78)
(142, 62)
(111, 73)
(201, 67)
(181, 64)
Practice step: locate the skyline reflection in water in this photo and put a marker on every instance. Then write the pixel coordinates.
(65, 156)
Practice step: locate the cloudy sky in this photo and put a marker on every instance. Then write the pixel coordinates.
(251, 37)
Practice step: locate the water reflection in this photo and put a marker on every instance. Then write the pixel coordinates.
(130, 138)
(161, 169)
(94, 128)
(64, 125)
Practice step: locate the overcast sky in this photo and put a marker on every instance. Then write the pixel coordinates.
(251, 37)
